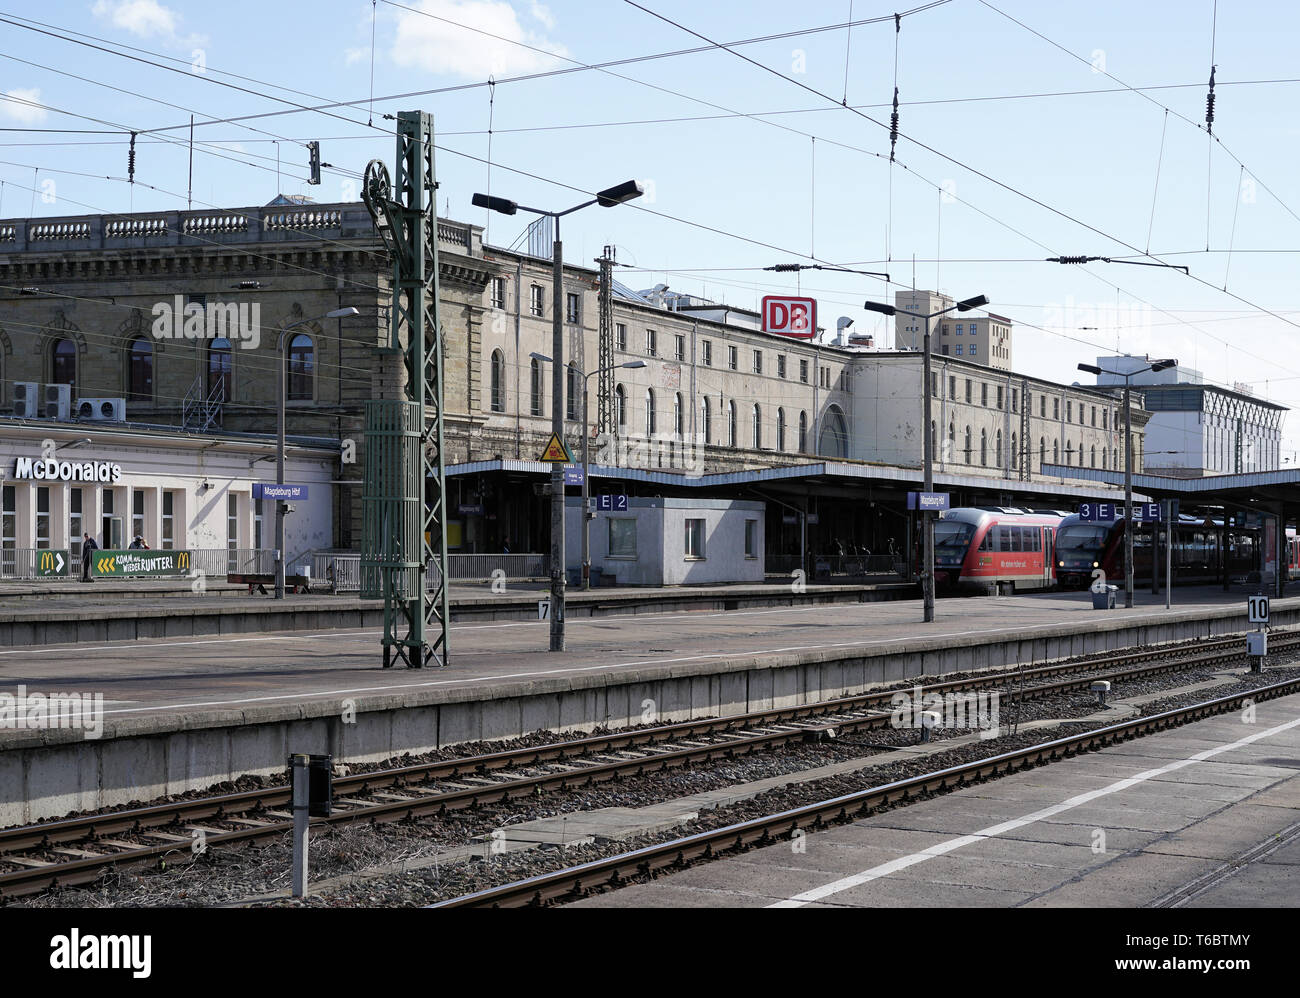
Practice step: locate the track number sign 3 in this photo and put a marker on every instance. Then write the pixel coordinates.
(795, 317)
(1257, 606)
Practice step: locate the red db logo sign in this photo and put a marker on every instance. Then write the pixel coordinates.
(795, 317)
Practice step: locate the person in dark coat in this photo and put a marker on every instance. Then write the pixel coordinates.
(88, 549)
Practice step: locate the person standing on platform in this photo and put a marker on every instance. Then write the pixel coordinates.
(88, 549)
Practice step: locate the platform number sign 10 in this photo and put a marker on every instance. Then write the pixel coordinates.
(1257, 606)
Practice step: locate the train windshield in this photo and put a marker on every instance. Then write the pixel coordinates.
(1081, 537)
(951, 537)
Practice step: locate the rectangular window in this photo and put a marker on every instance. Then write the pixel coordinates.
(9, 527)
(537, 300)
(972, 348)
(751, 538)
(694, 539)
(137, 514)
(758, 361)
(679, 347)
(959, 329)
(42, 517)
(1094, 415)
(1015, 400)
(945, 329)
(984, 395)
(257, 524)
(952, 387)
(960, 350)
(498, 292)
(1056, 408)
(232, 532)
(968, 390)
(572, 308)
(945, 349)
(75, 529)
(620, 337)
(803, 371)
(622, 538)
(650, 343)
(168, 520)
(999, 396)
(733, 358)
(1069, 410)
(780, 365)
(706, 348)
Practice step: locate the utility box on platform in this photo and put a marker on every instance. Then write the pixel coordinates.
(1105, 598)
(1257, 643)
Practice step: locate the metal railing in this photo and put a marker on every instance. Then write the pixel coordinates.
(825, 566)
(343, 568)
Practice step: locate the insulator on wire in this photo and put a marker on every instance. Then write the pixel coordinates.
(130, 161)
(893, 127)
(1209, 104)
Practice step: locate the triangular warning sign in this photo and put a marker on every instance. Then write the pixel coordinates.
(556, 452)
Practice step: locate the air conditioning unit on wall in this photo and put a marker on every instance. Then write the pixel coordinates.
(26, 400)
(58, 402)
(110, 410)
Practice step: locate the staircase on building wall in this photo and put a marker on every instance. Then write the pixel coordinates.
(201, 409)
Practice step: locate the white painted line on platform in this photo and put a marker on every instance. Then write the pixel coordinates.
(942, 848)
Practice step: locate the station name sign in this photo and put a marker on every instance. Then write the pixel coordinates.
(266, 490)
(927, 500)
(50, 470)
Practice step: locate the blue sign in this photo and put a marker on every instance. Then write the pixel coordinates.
(611, 503)
(280, 492)
(927, 500)
(572, 474)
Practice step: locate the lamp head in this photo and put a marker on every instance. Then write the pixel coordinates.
(632, 365)
(1161, 365)
(979, 301)
(339, 313)
(881, 307)
(619, 195)
(1090, 368)
(540, 356)
(491, 203)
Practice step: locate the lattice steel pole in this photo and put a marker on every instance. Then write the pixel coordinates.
(605, 355)
(405, 537)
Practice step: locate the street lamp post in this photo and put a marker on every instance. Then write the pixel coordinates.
(606, 199)
(1158, 365)
(338, 313)
(927, 516)
(586, 464)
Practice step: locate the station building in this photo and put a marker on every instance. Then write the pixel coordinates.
(828, 434)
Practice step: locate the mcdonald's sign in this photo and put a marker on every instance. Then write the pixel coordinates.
(113, 563)
(52, 564)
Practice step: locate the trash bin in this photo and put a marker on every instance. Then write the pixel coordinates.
(594, 574)
(573, 577)
(1105, 599)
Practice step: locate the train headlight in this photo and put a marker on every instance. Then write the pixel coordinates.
(1095, 565)
(1060, 564)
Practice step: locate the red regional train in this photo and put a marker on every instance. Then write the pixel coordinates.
(995, 549)
(1198, 554)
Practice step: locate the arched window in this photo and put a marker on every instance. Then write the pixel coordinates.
(1115, 455)
(620, 407)
(969, 449)
(139, 370)
(984, 448)
(834, 439)
(952, 442)
(1056, 451)
(1094, 456)
(997, 451)
(706, 419)
(1069, 453)
(220, 370)
(758, 427)
(497, 400)
(934, 438)
(650, 423)
(780, 429)
(1080, 453)
(63, 364)
(1042, 452)
(731, 423)
(301, 368)
(803, 432)
(1015, 454)
(535, 388)
(573, 410)
(1104, 455)
(677, 415)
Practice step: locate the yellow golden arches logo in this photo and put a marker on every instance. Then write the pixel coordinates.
(183, 560)
(47, 561)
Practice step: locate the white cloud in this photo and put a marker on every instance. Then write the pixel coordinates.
(438, 47)
(145, 19)
(15, 108)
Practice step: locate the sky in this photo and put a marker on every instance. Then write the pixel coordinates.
(1026, 130)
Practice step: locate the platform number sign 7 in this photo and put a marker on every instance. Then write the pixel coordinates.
(1257, 606)
(543, 609)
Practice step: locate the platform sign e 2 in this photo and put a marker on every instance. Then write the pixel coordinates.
(610, 503)
(794, 317)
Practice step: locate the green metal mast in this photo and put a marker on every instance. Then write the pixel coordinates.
(404, 536)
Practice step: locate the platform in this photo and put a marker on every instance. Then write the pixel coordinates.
(1206, 815)
(186, 713)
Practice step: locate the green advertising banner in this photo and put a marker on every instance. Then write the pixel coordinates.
(52, 564)
(140, 562)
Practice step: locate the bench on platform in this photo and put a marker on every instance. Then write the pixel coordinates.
(300, 583)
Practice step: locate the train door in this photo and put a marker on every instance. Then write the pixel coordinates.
(1049, 559)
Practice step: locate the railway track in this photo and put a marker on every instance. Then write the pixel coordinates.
(77, 850)
(617, 871)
